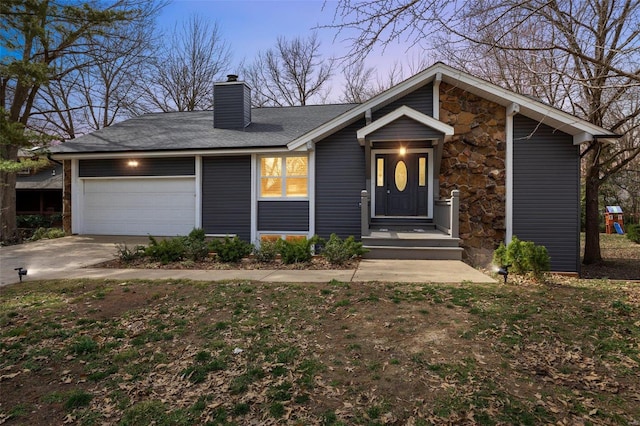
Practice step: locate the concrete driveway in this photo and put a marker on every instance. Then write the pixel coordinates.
(58, 258)
(72, 257)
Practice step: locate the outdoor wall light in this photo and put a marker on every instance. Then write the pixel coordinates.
(504, 271)
(403, 151)
(132, 163)
(21, 272)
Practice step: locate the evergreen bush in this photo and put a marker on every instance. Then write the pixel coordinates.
(297, 250)
(196, 246)
(338, 251)
(266, 252)
(231, 250)
(166, 251)
(523, 257)
(633, 233)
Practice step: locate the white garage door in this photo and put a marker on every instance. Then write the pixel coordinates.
(157, 207)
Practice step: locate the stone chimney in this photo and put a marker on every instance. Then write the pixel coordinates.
(231, 104)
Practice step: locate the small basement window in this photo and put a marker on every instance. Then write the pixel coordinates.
(284, 177)
(287, 237)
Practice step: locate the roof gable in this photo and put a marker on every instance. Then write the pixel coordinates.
(404, 111)
(581, 130)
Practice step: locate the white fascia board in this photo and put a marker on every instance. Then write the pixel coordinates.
(528, 107)
(150, 154)
(383, 98)
(404, 111)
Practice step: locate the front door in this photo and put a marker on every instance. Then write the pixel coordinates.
(401, 184)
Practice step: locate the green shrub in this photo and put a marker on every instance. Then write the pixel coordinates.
(266, 252)
(523, 257)
(165, 251)
(126, 254)
(633, 233)
(338, 251)
(34, 221)
(231, 250)
(196, 247)
(47, 233)
(297, 250)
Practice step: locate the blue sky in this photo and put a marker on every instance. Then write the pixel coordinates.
(250, 26)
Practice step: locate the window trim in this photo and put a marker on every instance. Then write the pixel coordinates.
(283, 189)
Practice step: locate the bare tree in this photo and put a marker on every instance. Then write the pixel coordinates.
(583, 56)
(359, 83)
(292, 73)
(40, 36)
(101, 92)
(184, 70)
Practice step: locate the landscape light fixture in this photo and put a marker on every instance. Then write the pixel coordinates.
(504, 271)
(21, 272)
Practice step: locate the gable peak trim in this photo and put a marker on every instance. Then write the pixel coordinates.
(403, 111)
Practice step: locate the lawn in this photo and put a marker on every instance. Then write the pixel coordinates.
(181, 353)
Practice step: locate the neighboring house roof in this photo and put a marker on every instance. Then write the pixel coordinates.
(43, 179)
(173, 131)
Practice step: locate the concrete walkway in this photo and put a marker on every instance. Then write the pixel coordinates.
(72, 257)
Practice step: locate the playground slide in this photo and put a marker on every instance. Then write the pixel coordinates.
(618, 228)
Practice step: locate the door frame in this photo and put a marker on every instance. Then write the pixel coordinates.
(430, 189)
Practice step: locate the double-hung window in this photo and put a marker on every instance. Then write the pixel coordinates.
(284, 177)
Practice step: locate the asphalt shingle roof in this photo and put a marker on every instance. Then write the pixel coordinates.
(270, 127)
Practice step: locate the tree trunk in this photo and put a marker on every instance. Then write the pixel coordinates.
(8, 227)
(592, 220)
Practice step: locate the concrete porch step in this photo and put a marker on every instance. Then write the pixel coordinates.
(409, 240)
(413, 253)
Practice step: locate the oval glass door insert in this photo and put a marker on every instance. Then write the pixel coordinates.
(401, 176)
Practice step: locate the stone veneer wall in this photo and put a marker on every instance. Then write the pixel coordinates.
(473, 162)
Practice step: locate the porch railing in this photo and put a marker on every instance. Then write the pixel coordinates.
(446, 215)
(364, 213)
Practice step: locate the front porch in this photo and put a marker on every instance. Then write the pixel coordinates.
(419, 238)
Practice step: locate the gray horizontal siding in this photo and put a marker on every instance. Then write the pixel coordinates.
(404, 128)
(231, 106)
(283, 216)
(340, 176)
(180, 166)
(421, 100)
(546, 191)
(226, 195)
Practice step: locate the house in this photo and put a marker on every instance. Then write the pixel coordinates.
(440, 163)
(39, 192)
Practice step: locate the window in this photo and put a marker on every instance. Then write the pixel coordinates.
(276, 237)
(380, 172)
(284, 177)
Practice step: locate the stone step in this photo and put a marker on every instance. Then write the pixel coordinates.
(413, 253)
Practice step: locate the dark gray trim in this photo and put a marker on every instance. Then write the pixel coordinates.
(546, 191)
(114, 167)
(283, 216)
(226, 195)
